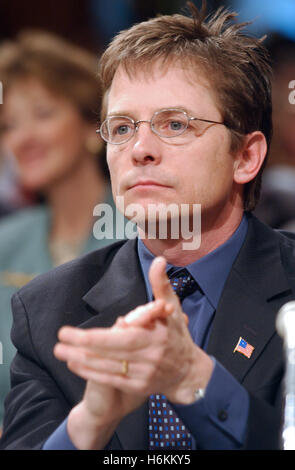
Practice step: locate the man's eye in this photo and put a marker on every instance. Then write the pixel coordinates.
(176, 125)
(120, 127)
(123, 129)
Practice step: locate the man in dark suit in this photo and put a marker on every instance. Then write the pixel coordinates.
(187, 121)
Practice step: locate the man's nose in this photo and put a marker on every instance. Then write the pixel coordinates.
(146, 145)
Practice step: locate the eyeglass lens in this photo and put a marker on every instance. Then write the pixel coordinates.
(165, 123)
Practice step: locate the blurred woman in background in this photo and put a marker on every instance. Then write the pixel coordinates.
(48, 120)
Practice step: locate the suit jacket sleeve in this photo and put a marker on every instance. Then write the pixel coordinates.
(35, 405)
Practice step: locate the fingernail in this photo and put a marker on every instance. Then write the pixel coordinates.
(133, 315)
(160, 259)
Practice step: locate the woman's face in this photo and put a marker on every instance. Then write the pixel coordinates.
(45, 133)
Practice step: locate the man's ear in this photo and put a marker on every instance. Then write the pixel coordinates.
(250, 157)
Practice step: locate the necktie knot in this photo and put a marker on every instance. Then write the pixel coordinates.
(183, 283)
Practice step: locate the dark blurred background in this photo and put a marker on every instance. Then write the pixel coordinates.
(92, 23)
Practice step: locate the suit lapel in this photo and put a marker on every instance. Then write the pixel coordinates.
(255, 289)
(120, 290)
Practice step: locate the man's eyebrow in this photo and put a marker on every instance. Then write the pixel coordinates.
(130, 114)
(119, 113)
(188, 111)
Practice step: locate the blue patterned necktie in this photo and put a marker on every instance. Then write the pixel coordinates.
(166, 430)
(183, 283)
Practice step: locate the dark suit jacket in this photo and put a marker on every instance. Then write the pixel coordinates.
(93, 290)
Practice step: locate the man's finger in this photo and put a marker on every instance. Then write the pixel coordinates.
(160, 282)
(103, 340)
(146, 314)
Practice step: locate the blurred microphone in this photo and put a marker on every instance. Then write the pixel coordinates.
(285, 324)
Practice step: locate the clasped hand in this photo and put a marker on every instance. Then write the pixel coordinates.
(155, 341)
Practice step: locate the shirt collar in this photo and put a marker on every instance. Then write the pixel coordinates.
(211, 271)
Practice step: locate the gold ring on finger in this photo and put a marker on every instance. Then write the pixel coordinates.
(124, 370)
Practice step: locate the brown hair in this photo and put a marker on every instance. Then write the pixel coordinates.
(238, 67)
(62, 67)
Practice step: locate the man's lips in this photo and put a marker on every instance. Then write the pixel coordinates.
(148, 183)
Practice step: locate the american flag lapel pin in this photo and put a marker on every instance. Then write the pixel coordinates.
(244, 348)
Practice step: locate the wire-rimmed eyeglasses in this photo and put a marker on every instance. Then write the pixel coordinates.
(166, 123)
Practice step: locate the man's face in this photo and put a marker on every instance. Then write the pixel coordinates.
(195, 168)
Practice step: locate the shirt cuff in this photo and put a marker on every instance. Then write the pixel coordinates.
(219, 420)
(59, 439)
